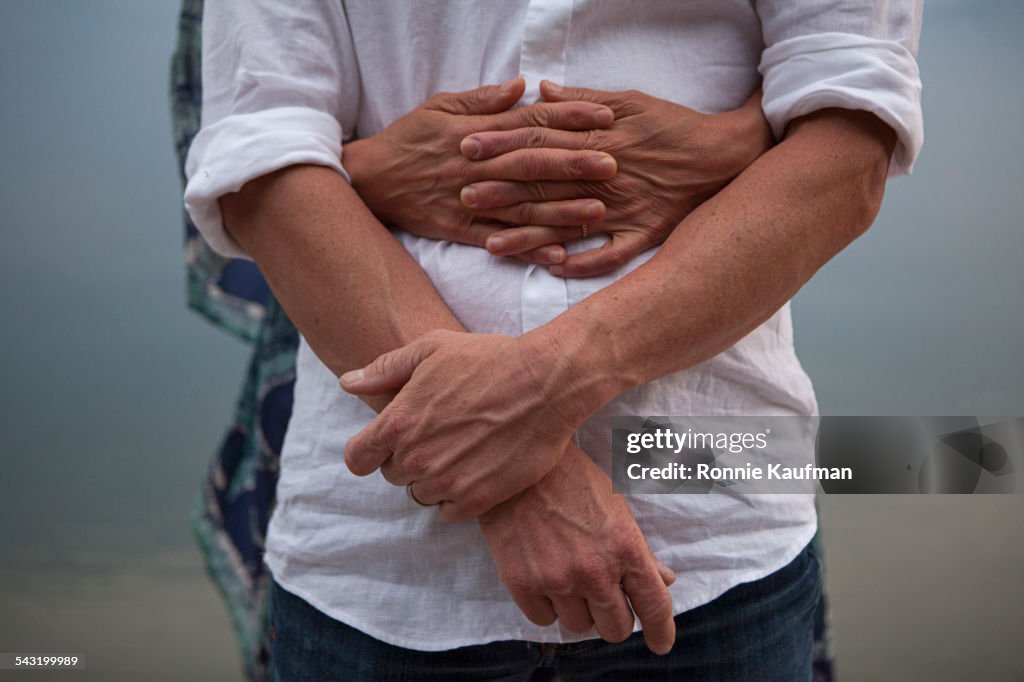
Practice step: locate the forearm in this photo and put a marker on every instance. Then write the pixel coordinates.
(350, 288)
(730, 264)
(362, 167)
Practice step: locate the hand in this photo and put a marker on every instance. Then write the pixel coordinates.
(568, 548)
(670, 159)
(410, 174)
(479, 417)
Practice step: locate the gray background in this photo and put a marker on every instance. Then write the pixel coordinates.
(113, 396)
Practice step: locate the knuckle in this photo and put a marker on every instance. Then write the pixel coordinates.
(633, 550)
(384, 364)
(392, 427)
(657, 607)
(441, 100)
(616, 258)
(575, 166)
(417, 464)
(592, 139)
(525, 213)
(531, 164)
(537, 191)
(534, 137)
(460, 167)
(540, 115)
(649, 596)
(592, 575)
(518, 583)
(558, 584)
(467, 124)
(627, 103)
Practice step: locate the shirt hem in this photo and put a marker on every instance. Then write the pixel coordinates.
(678, 607)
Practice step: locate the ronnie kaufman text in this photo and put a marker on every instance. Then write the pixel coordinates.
(750, 472)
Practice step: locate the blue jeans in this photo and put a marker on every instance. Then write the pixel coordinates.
(756, 631)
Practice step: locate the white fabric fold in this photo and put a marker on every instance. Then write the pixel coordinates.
(842, 70)
(232, 151)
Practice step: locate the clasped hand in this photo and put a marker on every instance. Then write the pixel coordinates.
(464, 167)
(411, 173)
(477, 419)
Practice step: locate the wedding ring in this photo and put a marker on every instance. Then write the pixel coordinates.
(408, 490)
(584, 230)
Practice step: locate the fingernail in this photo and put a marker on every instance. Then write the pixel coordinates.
(593, 210)
(557, 270)
(507, 86)
(604, 118)
(603, 165)
(353, 377)
(494, 244)
(468, 196)
(469, 147)
(554, 86)
(552, 255)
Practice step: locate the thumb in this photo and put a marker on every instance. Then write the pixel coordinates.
(487, 99)
(618, 102)
(389, 372)
(668, 576)
(553, 92)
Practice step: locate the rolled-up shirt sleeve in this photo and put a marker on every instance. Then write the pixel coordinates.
(845, 54)
(280, 87)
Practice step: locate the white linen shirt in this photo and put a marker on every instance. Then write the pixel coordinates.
(286, 81)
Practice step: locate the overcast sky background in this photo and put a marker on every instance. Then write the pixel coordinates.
(114, 396)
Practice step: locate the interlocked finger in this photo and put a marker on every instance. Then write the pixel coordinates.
(515, 240)
(619, 250)
(488, 144)
(497, 193)
(561, 115)
(545, 164)
(551, 213)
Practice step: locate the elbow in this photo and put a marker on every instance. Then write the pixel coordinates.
(869, 145)
(849, 152)
(869, 192)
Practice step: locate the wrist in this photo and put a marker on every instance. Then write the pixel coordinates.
(579, 364)
(743, 133)
(353, 157)
(360, 161)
